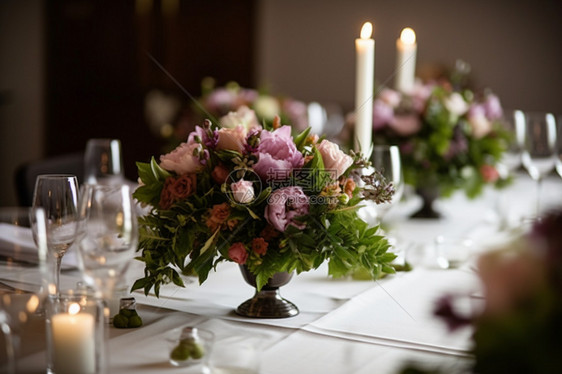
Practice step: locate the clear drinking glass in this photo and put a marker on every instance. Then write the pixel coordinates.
(107, 235)
(386, 160)
(58, 195)
(539, 152)
(559, 146)
(514, 123)
(103, 162)
(23, 276)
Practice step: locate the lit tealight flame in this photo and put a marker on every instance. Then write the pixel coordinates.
(73, 308)
(366, 30)
(32, 304)
(408, 36)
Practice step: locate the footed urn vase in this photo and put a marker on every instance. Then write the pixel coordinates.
(267, 303)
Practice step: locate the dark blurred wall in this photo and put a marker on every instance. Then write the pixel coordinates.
(306, 48)
(99, 65)
(21, 88)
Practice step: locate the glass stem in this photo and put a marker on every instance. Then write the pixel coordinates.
(10, 347)
(57, 273)
(539, 190)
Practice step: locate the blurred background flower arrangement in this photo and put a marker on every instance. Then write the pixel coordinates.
(171, 120)
(519, 328)
(450, 136)
(250, 192)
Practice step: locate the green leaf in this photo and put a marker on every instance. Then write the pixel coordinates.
(300, 139)
(159, 173)
(209, 242)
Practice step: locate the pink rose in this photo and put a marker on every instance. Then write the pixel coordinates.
(420, 95)
(489, 173)
(182, 160)
(335, 160)
(232, 139)
(383, 114)
(242, 191)
(220, 100)
(390, 97)
(237, 253)
(406, 125)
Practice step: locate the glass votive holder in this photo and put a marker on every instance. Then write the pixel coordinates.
(452, 252)
(75, 331)
(190, 346)
(236, 356)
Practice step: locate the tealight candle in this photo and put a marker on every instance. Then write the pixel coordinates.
(73, 339)
(364, 81)
(406, 48)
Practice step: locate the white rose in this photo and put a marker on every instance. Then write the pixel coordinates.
(456, 104)
(244, 116)
(267, 107)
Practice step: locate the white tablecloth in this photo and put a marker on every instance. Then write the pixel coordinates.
(344, 325)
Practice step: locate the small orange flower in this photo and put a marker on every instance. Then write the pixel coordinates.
(232, 223)
(218, 215)
(259, 246)
(348, 187)
(269, 233)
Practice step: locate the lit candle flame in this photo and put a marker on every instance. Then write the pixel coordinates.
(366, 30)
(74, 308)
(408, 36)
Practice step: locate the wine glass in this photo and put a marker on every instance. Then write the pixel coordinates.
(58, 195)
(103, 162)
(107, 235)
(23, 277)
(514, 123)
(559, 147)
(539, 152)
(386, 160)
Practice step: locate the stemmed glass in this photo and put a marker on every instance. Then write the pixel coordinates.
(514, 124)
(386, 160)
(539, 152)
(58, 196)
(559, 147)
(103, 162)
(107, 235)
(23, 276)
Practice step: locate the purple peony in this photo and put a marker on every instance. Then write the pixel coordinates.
(493, 107)
(277, 154)
(284, 205)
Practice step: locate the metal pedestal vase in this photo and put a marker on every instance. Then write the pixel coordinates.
(428, 195)
(267, 303)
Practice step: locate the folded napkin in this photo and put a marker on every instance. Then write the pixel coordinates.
(16, 242)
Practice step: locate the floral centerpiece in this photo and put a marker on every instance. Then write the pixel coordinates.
(261, 198)
(449, 136)
(519, 329)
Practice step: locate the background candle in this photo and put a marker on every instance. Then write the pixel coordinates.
(406, 48)
(73, 339)
(364, 80)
